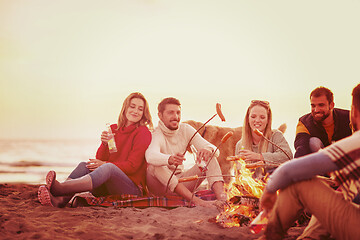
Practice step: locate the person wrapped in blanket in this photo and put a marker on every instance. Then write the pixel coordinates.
(300, 187)
(115, 173)
(253, 148)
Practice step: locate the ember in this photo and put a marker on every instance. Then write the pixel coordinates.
(243, 197)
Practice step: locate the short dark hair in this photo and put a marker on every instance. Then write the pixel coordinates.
(165, 101)
(356, 97)
(323, 91)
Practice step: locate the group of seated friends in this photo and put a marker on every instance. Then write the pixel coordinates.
(150, 162)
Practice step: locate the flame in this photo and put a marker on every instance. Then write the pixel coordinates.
(229, 218)
(244, 179)
(243, 185)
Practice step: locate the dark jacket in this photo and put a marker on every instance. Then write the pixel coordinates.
(341, 130)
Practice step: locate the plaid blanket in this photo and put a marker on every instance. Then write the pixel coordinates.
(169, 201)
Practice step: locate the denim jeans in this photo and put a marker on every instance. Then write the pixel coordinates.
(107, 179)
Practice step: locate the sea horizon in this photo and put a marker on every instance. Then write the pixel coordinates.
(27, 160)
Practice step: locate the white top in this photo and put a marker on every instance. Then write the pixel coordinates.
(166, 142)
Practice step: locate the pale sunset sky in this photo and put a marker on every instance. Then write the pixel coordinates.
(66, 66)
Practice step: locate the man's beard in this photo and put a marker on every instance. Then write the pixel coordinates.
(353, 125)
(321, 119)
(173, 128)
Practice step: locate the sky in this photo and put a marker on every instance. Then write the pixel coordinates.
(67, 66)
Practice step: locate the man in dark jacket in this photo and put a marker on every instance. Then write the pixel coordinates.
(318, 129)
(300, 188)
(323, 126)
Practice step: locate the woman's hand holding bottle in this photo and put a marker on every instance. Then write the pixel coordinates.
(107, 137)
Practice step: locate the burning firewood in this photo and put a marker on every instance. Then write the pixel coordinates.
(243, 197)
(233, 220)
(245, 200)
(239, 212)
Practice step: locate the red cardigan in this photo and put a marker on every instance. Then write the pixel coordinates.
(131, 143)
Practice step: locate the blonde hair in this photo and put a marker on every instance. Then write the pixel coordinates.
(145, 120)
(247, 139)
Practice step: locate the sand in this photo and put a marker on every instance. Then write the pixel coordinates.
(23, 217)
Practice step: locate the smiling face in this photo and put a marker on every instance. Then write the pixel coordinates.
(258, 118)
(135, 111)
(320, 108)
(171, 116)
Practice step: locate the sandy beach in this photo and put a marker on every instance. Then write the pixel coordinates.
(23, 217)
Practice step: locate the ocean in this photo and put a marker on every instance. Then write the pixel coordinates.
(28, 161)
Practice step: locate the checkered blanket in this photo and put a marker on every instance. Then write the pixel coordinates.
(169, 201)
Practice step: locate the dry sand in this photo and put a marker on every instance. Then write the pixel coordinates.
(23, 217)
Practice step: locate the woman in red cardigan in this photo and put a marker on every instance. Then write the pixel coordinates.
(121, 172)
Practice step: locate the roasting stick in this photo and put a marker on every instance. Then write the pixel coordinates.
(195, 177)
(268, 163)
(224, 139)
(221, 116)
(236, 158)
(259, 133)
(231, 158)
(253, 165)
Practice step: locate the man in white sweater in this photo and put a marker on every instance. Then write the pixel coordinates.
(166, 153)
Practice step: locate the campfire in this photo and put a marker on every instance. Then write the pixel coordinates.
(243, 195)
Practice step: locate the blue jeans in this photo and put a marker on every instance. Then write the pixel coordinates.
(107, 179)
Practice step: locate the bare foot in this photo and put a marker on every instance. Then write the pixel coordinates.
(55, 188)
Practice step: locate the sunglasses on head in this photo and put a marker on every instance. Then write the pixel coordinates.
(266, 103)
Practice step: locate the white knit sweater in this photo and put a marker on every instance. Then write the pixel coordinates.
(166, 142)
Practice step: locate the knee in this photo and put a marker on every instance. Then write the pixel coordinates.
(213, 162)
(315, 144)
(302, 187)
(81, 167)
(82, 164)
(108, 167)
